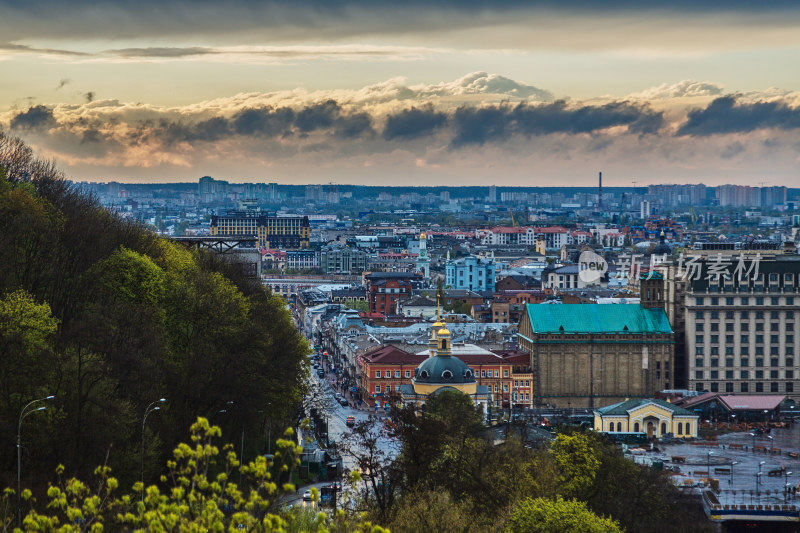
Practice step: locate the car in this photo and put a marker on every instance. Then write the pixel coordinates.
(307, 496)
(343, 402)
(351, 421)
(320, 373)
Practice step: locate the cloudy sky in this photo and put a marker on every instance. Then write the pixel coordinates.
(507, 92)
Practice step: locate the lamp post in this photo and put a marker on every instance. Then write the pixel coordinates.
(758, 478)
(150, 408)
(22, 414)
(708, 466)
(786, 485)
(754, 441)
(731, 480)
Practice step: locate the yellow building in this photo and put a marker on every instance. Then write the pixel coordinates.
(443, 371)
(270, 231)
(654, 417)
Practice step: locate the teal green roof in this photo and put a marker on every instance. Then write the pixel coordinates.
(597, 318)
(622, 408)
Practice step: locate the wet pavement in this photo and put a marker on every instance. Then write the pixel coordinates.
(750, 469)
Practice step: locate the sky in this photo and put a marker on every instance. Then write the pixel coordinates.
(469, 92)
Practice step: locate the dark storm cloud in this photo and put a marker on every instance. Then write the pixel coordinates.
(413, 123)
(35, 118)
(488, 124)
(727, 115)
(161, 52)
(12, 47)
(266, 121)
(62, 82)
(143, 18)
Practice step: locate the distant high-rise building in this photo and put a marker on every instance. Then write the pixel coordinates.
(492, 198)
(644, 209)
(674, 195)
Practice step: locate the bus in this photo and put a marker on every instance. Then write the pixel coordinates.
(624, 437)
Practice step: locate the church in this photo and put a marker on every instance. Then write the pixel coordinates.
(443, 371)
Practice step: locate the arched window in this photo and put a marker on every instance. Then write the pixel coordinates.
(636, 427)
(680, 428)
(619, 426)
(663, 428)
(447, 375)
(424, 374)
(468, 373)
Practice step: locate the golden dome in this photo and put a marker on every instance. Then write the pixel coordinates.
(444, 332)
(422, 235)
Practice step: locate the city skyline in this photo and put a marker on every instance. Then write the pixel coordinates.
(467, 93)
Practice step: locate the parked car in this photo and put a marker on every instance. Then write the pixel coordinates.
(320, 373)
(343, 402)
(351, 421)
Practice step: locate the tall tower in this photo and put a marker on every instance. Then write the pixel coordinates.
(423, 261)
(600, 192)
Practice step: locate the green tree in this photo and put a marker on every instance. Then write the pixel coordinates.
(539, 515)
(577, 463)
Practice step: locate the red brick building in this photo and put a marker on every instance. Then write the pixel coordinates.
(385, 288)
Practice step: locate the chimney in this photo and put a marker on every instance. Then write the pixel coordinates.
(600, 191)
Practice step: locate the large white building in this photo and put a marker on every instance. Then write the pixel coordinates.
(509, 235)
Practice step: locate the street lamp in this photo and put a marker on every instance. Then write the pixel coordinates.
(150, 408)
(22, 414)
(758, 478)
(786, 484)
(730, 482)
(708, 466)
(754, 441)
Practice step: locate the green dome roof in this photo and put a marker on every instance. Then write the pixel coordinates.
(443, 369)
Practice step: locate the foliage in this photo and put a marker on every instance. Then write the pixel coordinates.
(577, 463)
(196, 494)
(117, 318)
(539, 515)
(358, 305)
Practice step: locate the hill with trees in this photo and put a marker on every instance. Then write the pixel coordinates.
(109, 318)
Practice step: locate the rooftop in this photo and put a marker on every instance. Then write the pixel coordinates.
(597, 318)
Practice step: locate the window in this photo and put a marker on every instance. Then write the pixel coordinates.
(789, 339)
(497, 373)
(759, 339)
(759, 350)
(744, 350)
(744, 314)
(759, 374)
(377, 388)
(744, 326)
(789, 361)
(636, 427)
(728, 327)
(729, 387)
(729, 374)
(744, 374)
(745, 361)
(397, 373)
(714, 314)
(714, 339)
(698, 374)
(714, 374)
(760, 314)
(698, 362)
(775, 301)
(619, 426)
(729, 301)
(697, 301)
(408, 373)
(714, 350)
(377, 373)
(774, 326)
(729, 350)
(698, 315)
(680, 428)
(743, 387)
(483, 373)
(745, 301)
(789, 386)
(759, 326)
(714, 361)
(773, 387)
(714, 301)
(714, 387)
(759, 387)
(744, 339)
(698, 350)
(790, 350)
(714, 326)
(773, 374)
(505, 373)
(698, 327)
(790, 374)
(759, 301)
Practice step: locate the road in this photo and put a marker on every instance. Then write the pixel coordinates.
(337, 418)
